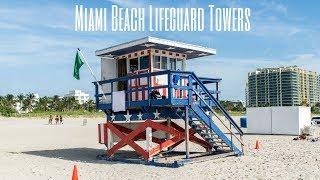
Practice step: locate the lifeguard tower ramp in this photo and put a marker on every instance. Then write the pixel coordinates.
(147, 95)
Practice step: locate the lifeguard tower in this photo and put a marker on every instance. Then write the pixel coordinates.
(148, 95)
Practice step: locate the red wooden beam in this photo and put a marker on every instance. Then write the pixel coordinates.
(142, 135)
(128, 136)
(127, 140)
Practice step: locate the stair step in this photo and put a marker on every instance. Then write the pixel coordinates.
(196, 120)
(209, 134)
(200, 128)
(212, 139)
(224, 146)
(194, 125)
(215, 142)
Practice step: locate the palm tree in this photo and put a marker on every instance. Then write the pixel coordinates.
(6, 105)
(20, 98)
(43, 104)
(55, 102)
(70, 103)
(28, 102)
(9, 99)
(1, 101)
(89, 105)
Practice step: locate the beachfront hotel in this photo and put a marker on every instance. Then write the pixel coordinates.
(283, 86)
(79, 95)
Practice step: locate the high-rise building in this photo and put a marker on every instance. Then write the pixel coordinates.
(284, 86)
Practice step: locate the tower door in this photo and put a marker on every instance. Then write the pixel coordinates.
(122, 71)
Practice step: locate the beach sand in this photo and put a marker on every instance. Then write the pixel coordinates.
(31, 149)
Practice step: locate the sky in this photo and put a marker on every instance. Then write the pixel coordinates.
(38, 43)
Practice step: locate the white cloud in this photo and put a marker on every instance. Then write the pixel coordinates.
(275, 29)
(11, 26)
(266, 7)
(34, 17)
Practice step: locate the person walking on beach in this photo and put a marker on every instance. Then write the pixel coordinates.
(57, 119)
(61, 120)
(50, 119)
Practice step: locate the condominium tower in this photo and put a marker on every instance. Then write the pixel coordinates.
(284, 86)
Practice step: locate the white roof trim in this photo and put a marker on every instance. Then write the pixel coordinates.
(158, 41)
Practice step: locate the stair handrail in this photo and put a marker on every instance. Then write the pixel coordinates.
(217, 103)
(232, 133)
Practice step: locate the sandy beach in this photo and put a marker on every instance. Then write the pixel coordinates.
(31, 149)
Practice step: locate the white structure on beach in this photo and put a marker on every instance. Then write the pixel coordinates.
(288, 120)
(79, 95)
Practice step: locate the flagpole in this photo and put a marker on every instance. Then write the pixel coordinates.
(85, 61)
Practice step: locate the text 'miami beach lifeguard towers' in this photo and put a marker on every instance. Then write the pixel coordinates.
(148, 95)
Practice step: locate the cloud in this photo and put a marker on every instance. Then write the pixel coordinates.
(307, 61)
(271, 6)
(34, 17)
(129, 4)
(43, 35)
(40, 49)
(265, 28)
(11, 26)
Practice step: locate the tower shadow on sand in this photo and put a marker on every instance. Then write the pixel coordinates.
(85, 155)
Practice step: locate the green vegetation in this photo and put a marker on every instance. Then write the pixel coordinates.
(231, 106)
(234, 108)
(44, 106)
(76, 113)
(316, 109)
(6, 105)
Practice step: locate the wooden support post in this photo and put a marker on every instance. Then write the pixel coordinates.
(110, 139)
(148, 140)
(168, 135)
(186, 130)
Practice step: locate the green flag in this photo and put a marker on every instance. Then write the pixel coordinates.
(77, 65)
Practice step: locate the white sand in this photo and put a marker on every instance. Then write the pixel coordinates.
(30, 149)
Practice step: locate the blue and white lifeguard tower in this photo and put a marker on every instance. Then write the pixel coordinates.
(147, 95)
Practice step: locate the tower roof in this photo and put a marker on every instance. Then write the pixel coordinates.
(192, 51)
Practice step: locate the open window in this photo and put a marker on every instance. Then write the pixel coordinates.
(122, 71)
(144, 62)
(133, 65)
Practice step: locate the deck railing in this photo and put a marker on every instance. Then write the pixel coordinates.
(171, 88)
